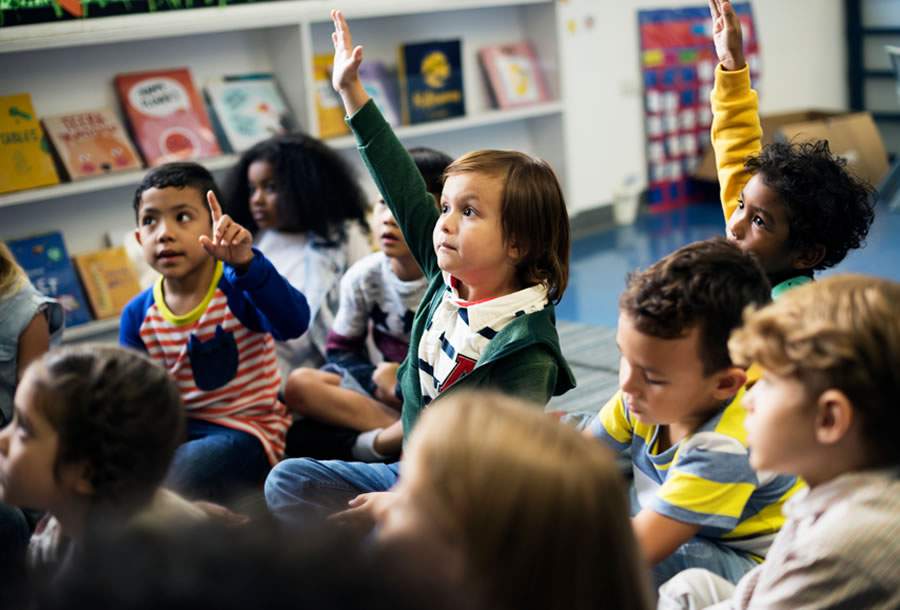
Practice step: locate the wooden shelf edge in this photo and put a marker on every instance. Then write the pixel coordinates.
(90, 329)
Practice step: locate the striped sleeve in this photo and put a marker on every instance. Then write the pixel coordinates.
(709, 483)
(613, 425)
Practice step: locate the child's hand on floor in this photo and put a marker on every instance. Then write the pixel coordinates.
(727, 35)
(231, 243)
(366, 510)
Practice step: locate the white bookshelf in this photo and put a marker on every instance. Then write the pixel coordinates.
(98, 330)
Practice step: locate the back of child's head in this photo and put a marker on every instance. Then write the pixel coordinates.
(11, 274)
(317, 188)
(706, 284)
(115, 411)
(536, 506)
(177, 175)
(826, 205)
(431, 164)
(534, 215)
(842, 332)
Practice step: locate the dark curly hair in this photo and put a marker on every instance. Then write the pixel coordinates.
(826, 204)
(179, 175)
(116, 411)
(317, 188)
(706, 283)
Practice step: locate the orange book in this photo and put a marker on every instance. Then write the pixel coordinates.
(109, 280)
(91, 143)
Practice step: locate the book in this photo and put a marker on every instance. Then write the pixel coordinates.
(245, 109)
(25, 159)
(45, 260)
(431, 80)
(514, 74)
(381, 85)
(91, 143)
(166, 115)
(109, 280)
(329, 107)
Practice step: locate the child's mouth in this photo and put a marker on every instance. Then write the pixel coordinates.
(168, 256)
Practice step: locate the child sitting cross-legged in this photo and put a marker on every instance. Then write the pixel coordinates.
(825, 410)
(679, 413)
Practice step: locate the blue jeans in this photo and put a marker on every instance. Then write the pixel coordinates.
(217, 463)
(304, 490)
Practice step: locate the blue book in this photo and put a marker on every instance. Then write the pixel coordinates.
(431, 73)
(45, 260)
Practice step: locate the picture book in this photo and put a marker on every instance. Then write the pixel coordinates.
(25, 159)
(381, 85)
(245, 109)
(329, 107)
(45, 260)
(166, 116)
(109, 280)
(514, 74)
(91, 143)
(431, 80)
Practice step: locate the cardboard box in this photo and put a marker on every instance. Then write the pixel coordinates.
(852, 136)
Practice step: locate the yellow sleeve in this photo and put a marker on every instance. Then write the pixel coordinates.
(612, 425)
(736, 132)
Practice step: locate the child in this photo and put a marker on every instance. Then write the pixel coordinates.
(795, 206)
(496, 262)
(521, 508)
(350, 395)
(302, 202)
(211, 325)
(679, 412)
(95, 428)
(825, 410)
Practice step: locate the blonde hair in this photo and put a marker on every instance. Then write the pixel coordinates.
(842, 332)
(540, 512)
(533, 214)
(11, 274)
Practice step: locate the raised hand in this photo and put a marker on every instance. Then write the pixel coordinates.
(727, 35)
(231, 243)
(345, 70)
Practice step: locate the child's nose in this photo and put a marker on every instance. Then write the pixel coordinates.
(737, 226)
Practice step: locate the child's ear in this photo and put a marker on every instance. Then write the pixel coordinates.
(810, 257)
(729, 382)
(137, 236)
(834, 417)
(77, 477)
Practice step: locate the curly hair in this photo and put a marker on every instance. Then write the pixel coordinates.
(707, 284)
(179, 175)
(317, 188)
(842, 332)
(826, 204)
(116, 411)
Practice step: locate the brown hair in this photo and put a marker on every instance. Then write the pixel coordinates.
(11, 275)
(533, 212)
(707, 284)
(539, 510)
(842, 332)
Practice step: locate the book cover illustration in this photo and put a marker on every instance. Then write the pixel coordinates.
(514, 74)
(381, 85)
(329, 107)
(25, 159)
(91, 143)
(247, 108)
(166, 116)
(45, 260)
(108, 279)
(432, 81)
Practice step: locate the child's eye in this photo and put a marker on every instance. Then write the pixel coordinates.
(146, 221)
(444, 208)
(183, 217)
(758, 221)
(740, 204)
(469, 212)
(270, 187)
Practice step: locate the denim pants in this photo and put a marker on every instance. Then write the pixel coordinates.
(217, 463)
(302, 491)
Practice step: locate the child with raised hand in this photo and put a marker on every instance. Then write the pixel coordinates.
(94, 431)
(679, 414)
(516, 507)
(796, 207)
(825, 410)
(496, 258)
(351, 395)
(211, 320)
(307, 212)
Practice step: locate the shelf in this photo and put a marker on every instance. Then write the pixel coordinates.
(184, 22)
(103, 183)
(89, 330)
(483, 119)
(879, 74)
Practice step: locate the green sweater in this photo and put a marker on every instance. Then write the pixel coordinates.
(524, 358)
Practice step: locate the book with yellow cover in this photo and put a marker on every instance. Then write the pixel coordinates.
(25, 159)
(329, 108)
(109, 279)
